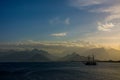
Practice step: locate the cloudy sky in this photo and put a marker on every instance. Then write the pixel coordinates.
(94, 21)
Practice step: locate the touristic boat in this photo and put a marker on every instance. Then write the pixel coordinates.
(90, 61)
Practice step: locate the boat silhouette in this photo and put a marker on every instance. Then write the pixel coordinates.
(90, 61)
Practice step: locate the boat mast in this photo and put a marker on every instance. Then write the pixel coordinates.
(93, 58)
(88, 58)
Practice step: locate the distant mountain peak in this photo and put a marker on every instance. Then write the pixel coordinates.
(35, 50)
(73, 57)
(26, 56)
(74, 54)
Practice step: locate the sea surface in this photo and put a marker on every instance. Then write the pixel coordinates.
(59, 71)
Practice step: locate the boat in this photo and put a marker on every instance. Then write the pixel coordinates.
(91, 61)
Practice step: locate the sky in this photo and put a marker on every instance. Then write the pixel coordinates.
(60, 21)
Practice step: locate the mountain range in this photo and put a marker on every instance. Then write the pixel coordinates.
(25, 56)
(36, 55)
(73, 57)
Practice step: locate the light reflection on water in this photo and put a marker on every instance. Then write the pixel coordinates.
(59, 71)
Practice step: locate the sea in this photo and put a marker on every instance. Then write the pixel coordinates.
(59, 71)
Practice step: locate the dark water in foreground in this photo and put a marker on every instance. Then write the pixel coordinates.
(59, 71)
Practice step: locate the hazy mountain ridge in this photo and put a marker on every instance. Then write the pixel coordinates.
(99, 53)
(26, 56)
(36, 55)
(73, 57)
(103, 54)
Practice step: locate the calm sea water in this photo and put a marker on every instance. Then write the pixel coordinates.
(59, 71)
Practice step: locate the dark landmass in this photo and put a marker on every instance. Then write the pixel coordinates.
(73, 57)
(25, 56)
(35, 55)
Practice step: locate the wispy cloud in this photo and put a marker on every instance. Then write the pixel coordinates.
(105, 27)
(58, 20)
(54, 20)
(83, 3)
(110, 7)
(67, 21)
(113, 12)
(59, 34)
